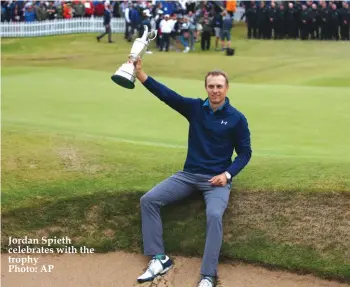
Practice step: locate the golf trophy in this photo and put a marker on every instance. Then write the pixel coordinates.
(125, 76)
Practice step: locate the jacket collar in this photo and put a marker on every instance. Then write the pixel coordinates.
(221, 108)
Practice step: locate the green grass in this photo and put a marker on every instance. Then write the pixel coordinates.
(78, 151)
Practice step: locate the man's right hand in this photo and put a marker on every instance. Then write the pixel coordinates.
(140, 74)
(138, 65)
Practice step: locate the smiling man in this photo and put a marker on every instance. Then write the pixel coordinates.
(216, 130)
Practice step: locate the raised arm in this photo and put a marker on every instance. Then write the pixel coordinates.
(177, 102)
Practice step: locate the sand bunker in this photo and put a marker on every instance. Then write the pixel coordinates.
(119, 269)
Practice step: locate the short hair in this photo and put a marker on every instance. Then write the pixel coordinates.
(216, 73)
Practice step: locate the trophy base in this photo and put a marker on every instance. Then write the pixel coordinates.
(125, 76)
(124, 82)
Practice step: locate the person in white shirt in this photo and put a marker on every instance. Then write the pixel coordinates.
(127, 22)
(165, 27)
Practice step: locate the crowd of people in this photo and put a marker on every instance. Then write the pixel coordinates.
(28, 11)
(180, 24)
(324, 20)
(181, 27)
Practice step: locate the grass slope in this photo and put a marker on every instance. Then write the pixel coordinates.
(78, 151)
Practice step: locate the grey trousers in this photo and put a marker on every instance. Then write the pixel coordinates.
(107, 31)
(176, 187)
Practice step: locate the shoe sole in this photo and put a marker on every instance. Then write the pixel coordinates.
(166, 270)
(152, 278)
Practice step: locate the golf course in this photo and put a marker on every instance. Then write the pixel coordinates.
(79, 151)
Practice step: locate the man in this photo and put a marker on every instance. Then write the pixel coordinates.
(78, 8)
(272, 23)
(135, 21)
(262, 21)
(325, 14)
(192, 29)
(185, 34)
(298, 9)
(165, 27)
(304, 29)
(173, 21)
(334, 23)
(314, 15)
(107, 16)
(51, 11)
(280, 22)
(344, 21)
(159, 18)
(227, 24)
(206, 33)
(251, 15)
(217, 24)
(291, 21)
(178, 32)
(216, 129)
(127, 22)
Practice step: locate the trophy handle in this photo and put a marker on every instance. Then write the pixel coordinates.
(155, 32)
(145, 33)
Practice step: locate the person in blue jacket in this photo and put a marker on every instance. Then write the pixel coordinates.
(107, 17)
(216, 130)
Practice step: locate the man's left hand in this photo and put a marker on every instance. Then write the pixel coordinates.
(218, 180)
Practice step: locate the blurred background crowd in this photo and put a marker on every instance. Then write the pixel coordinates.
(24, 10)
(181, 24)
(325, 20)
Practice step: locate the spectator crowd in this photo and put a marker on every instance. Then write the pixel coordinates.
(324, 20)
(29, 11)
(180, 24)
(26, 10)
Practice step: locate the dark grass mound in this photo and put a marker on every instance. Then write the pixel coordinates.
(296, 231)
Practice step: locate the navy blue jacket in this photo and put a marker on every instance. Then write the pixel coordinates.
(106, 17)
(212, 136)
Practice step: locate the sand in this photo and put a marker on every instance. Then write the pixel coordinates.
(120, 269)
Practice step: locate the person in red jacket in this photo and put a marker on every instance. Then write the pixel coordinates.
(89, 8)
(99, 9)
(67, 11)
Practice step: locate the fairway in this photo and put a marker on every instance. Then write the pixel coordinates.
(285, 120)
(290, 125)
(72, 140)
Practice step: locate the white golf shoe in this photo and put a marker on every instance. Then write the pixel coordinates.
(206, 282)
(155, 268)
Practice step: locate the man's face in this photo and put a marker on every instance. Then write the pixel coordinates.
(216, 89)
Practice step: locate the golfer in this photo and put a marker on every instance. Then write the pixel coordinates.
(216, 129)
